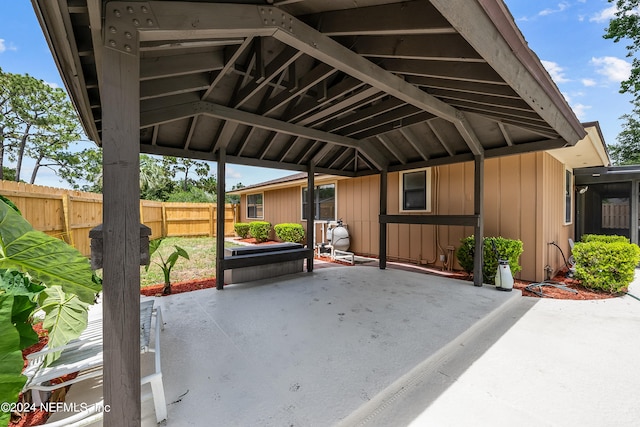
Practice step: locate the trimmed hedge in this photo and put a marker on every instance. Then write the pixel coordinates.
(609, 267)
(507, 248)
(289, 232)
(259, 230)
(602, 238)
(241, 229)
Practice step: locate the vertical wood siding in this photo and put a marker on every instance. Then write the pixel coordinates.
(523, 196)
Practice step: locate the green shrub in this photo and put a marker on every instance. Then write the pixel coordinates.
(259, 230)
(606, 266)
(507, 248)
(241, 229)
(602, 238)
(289, 232)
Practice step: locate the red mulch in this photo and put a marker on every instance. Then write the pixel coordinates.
(179, 287)
(582, 293)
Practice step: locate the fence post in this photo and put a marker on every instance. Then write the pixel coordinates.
(212, 221)
(66, 208)
(164, 231)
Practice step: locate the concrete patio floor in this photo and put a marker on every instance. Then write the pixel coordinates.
(360, 346)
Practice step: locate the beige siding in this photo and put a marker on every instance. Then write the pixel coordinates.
(523, 197)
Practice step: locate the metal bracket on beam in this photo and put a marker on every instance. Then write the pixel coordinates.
(272, 16)
(123, 20)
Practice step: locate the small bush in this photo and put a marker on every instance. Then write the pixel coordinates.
(259, 230)
(606, 266)
(507, 248)
(289, 232)
(603, 239)
(241, 229)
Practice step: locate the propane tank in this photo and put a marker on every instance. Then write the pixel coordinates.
(504, 279)
(338, 235)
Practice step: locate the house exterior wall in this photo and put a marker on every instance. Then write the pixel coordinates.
(523, 196)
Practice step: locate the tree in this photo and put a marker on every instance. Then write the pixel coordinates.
(155, 180)
(627, 150)
(83, 170)
(625, 26)
(184, 167)
(8, 120)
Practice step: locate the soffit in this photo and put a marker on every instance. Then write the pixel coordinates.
(353, 90)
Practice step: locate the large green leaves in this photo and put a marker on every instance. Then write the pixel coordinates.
(66, 318)
(11, 381)
(45, 258)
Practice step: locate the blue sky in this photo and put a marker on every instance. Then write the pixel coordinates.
(566, 36)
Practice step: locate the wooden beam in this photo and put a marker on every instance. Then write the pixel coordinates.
(478, 210)
(173, 85)
(229, 63)
(505, 134)
(413, 17)
(382, 251)
(440, 139)
(461, 220)
(311, 213)
(413, 140)
(432, 47)
(121, 219)
(489, 28)
(389, 145)
(220, 267)
(169, 66)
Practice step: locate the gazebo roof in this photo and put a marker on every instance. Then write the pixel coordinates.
(286, 83)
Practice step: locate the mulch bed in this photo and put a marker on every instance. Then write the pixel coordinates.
(179, 287)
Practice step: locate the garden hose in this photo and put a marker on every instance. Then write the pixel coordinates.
(631, 295)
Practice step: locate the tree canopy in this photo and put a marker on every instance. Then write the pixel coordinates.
(37, 121)
(625, 28)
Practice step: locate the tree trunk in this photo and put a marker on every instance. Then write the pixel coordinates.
(23, 144)
(35, 170)
(1, 153)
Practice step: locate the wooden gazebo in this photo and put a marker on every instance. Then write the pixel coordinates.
(304, 85)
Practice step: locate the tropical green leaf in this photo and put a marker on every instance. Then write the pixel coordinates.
(25, 295)
(45, 258)
(10, 203)
(15, 283)
(65, 319)
(181, 252)
(11, 379)
(52, 262)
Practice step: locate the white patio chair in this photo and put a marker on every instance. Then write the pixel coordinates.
(85, 356)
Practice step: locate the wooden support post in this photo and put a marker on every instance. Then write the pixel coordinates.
(222, 159)
(478, 209)
(383, 226)
(311, 213)
(121, 225)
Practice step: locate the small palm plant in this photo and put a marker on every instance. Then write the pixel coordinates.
(167, 265)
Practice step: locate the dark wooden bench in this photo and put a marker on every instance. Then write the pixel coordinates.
(247, 263)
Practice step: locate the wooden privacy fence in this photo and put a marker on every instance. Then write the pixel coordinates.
(69, 214)
(615, 215)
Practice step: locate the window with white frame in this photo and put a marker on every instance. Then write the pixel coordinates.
(415, 190)
(255, 206)
(325, 202)
(568, 196)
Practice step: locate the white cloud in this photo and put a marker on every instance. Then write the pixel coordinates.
(4, 47)
(556, 71)
(580, 110)
(605, 14)
(588, 82)
(53, 85)
(560, 8)
(232, 173)
(614, 69)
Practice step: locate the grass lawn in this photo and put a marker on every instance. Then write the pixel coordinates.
(200, 265)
